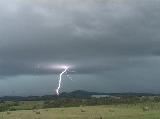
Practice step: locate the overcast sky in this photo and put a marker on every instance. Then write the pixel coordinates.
(111, 45)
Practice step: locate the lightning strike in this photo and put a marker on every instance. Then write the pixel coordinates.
(60, 79)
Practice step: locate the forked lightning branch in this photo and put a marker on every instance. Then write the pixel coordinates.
(60, 79)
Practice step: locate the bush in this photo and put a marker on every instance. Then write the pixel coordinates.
(38, 112)
(8, 112)
(145, 109)
(82, 110)
(12, 109)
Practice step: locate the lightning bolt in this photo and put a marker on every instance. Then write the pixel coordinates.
(60, 79)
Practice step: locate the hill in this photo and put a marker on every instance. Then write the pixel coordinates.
(74, 94)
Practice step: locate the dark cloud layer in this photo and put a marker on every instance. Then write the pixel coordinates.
(36, 32)
(96, 36)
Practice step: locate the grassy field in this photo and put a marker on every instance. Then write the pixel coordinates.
(88, 112)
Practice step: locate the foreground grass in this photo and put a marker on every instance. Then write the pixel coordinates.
(89, 112)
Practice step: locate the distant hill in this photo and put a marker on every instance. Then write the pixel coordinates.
(79, 94)
(74, 94)
(82, 93)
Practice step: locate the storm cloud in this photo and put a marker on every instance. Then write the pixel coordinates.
(97, 37)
